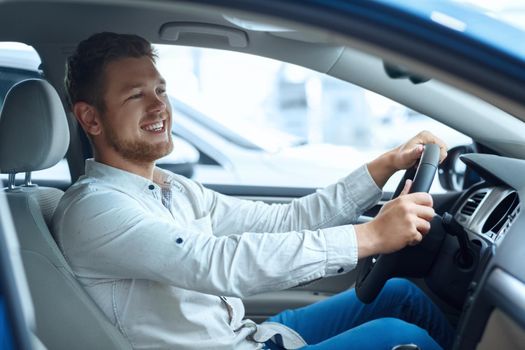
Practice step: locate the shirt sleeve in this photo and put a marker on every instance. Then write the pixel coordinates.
(106, 234)
(338, 204)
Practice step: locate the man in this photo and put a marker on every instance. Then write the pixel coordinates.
(167, 259)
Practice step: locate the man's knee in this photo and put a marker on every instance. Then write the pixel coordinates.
(401, 287)
(400, 284)
(396, 331)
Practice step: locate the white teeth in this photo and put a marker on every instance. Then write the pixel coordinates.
(154, 127)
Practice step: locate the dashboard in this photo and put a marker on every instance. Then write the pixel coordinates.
(489, 213)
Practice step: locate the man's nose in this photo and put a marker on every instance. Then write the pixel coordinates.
(157, 104)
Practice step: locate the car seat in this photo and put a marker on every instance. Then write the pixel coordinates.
(34, 135)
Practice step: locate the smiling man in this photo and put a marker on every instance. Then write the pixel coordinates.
(167, 259)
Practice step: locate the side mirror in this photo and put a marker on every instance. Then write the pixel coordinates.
(453, 173)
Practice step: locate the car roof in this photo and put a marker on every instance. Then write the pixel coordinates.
(468, 19)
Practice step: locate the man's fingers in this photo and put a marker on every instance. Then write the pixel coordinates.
(416, 239)
(417, 151)
(425, 213)
(406, 189)
(420, 198)
(423, 226)
(442, 153)
(425, 137)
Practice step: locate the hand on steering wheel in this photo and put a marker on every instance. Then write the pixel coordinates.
(411, 260)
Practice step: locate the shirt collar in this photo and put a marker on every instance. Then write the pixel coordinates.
(122, 178)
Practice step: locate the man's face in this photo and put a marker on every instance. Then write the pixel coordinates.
(137, 120)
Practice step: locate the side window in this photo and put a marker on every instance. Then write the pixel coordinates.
(20, 62)
(270, 123)
(17, 62)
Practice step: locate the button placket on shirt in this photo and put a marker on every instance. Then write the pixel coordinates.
(153, 190)
(165, 196)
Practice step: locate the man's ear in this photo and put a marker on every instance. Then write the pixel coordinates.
(88, 117)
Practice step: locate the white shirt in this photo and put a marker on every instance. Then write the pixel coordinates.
(156, 256)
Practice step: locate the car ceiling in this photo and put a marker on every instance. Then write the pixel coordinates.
(55, 27)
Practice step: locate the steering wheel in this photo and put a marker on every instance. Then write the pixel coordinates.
(411, 261)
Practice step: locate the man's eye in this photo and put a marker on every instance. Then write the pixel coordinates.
(161, 91)
(135, 96)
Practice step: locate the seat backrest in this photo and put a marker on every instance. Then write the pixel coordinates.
(34, 135)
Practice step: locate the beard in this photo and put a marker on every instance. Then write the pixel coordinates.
(137, 150)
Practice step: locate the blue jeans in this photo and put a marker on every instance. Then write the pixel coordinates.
(401, 314)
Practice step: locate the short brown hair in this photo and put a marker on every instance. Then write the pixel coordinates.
(84, 79)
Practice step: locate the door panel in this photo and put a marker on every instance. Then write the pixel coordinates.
(502, 332)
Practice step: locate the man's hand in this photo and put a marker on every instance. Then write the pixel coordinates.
(402, 221)
(403, 157)
(406, 155)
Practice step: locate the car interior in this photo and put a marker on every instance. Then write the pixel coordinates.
(472, 269)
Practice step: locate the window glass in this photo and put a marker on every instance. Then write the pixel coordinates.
(19, 62)
(271, 123)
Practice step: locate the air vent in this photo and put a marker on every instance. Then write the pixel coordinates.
(503, 214)
(472, 203)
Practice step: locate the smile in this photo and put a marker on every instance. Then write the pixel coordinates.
(155, 127)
